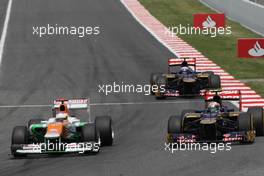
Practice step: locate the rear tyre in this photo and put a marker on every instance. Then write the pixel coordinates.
(104, 128)
(214, 82)
(175, 125)
(257, 113)
(19, 137)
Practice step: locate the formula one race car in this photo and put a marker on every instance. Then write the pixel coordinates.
(63, 133)
(183, 80)
(217, 123)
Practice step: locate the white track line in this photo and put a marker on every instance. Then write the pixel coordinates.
(145, 103)
(24, 106)
(104, 104)
(4, 31)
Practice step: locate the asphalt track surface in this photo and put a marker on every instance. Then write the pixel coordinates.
(36, 70)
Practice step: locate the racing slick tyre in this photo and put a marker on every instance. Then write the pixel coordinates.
(214, 82)
(154, 76)
(153, 80)
(104, 128)
(19, 136)
(245, 122)
(161, 82)
(175, 125)
(257, 113)
(89, 133)
(187, 111)
(34, 121)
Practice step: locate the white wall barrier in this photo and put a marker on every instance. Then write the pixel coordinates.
(245, 12)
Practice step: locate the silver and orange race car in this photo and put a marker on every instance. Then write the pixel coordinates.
(63, 132)
(217, 122)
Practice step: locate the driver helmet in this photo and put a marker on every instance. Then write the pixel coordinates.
(213, 107)
(63, 112)
(184, 64)
(184, 69)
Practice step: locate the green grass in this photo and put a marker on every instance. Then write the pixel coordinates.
(258, 86)
(221, 49)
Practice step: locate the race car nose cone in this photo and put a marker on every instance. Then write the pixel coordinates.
(52, 134)
(208, 121)
(188, 80)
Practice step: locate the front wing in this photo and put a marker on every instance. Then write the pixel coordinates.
(232, 137)
(93, 147)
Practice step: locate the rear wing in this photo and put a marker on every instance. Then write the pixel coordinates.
(72, 104)
(178, 62)
(223, 96)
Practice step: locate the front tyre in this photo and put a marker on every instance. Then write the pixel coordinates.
(175, 125)
(89, 134)
(187, 111)
(257, 113)
(161, 82)
(19, 136)
(245, 123)
(153, 78)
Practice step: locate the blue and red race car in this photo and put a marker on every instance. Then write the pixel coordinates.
(217, 122)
